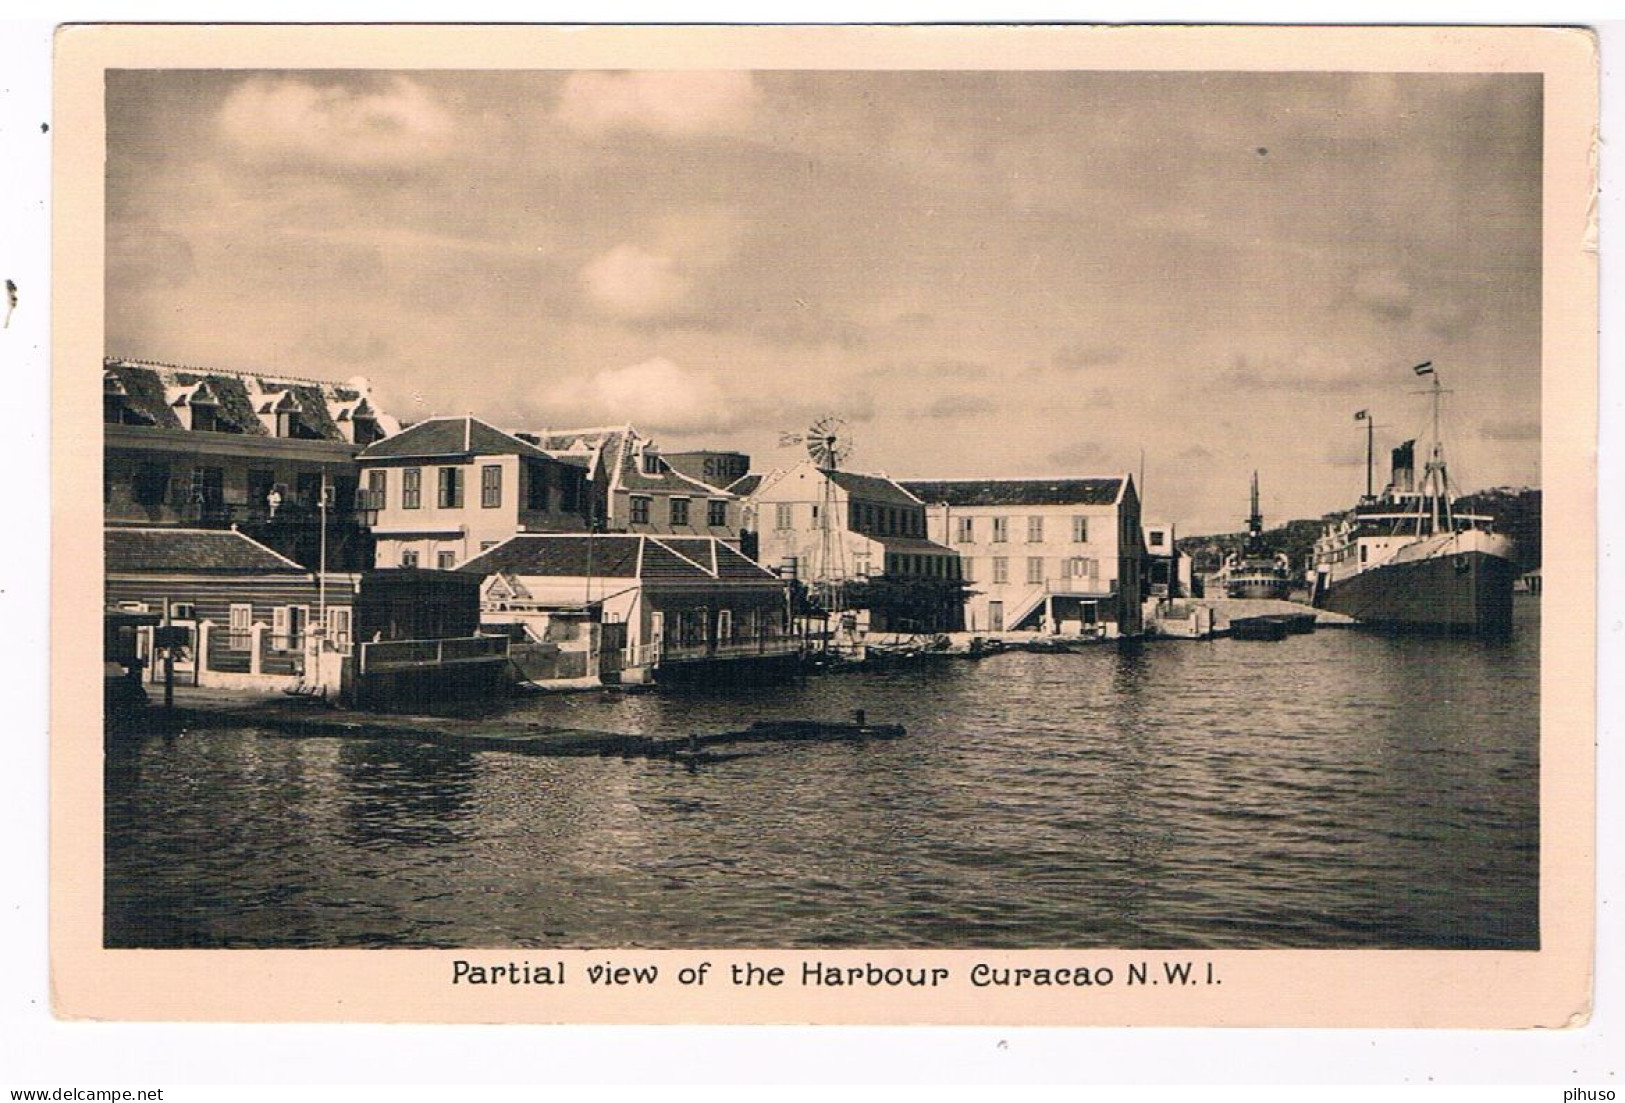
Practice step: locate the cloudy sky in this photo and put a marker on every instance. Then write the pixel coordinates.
(985, 273)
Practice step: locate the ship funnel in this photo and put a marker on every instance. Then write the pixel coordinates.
(1403, 478)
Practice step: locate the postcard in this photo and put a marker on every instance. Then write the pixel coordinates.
(855, 525)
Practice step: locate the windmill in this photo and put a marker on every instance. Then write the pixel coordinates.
(828, 445)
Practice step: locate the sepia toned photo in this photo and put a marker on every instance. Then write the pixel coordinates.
(885, 526)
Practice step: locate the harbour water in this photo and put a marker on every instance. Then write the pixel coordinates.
(1340, 789)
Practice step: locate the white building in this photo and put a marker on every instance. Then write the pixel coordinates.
(444, 490)
(1055, 555)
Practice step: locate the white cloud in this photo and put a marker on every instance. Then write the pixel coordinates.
(637, 281)
(655, 395)
(682, 104)
(633, 282)
(271, 120)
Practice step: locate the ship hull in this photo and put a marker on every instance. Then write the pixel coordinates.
(1467, 593)
(1259, 588)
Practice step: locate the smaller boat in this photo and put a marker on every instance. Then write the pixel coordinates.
(1260, 628)
(1299, 624)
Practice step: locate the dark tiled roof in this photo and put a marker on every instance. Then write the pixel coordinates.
(144, 393)
(1017, 492)
(731, 564)
(911, 544)
(450, 436)
(664, 481)
(661, 561)
(566, 556)
(617, 556)
(242, 396)
(191, 551)
(745, 485)
(238, 409)
(313, 412)
(872, 488)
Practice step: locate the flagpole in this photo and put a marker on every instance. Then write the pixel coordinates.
(1370, 431)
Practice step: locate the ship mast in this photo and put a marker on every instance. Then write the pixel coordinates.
(1255, 523)
(1436, 484)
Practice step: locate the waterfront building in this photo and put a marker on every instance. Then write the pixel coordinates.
(246, 612)
(1055, 555)
(635, 489)
(248, 617)
(1167, 571)
(860, 541)
(665, 605)
(440, 492)
(208, 448)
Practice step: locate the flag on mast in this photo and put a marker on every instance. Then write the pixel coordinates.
(1425, 368)
(1362, 415)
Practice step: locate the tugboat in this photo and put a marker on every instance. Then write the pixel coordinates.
(1256, 572)
(1407, 560)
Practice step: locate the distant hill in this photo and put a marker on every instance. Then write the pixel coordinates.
(1516, 512)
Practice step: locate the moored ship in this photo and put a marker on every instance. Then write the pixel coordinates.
(1255, 571)
(1408, 560)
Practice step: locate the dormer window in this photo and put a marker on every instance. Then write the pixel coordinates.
(286, 419)
(203, 410)
(116, 408)
(651, 462)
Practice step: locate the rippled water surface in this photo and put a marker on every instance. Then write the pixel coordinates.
(1334, 790)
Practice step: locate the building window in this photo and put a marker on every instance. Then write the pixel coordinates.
(446, 560)
(536, 487)
(338, 625)
(491, 486)
(716, 514)
(1080, 567)
(1001, 530)
(288, 626)
(149, 484)
(1035, 570)
(1035, 530)
(783, 516)
(860, 564)
(412, 488)
(966, 530)
(205, 417)
(1080, 530)
(409, 558)
(640, 510)
(1001, 570)
(241, 627)
(651, 462)
(679, 511)
(208, 487)
(725, 626)
(967, 569)
(377, 490)
(451, 488)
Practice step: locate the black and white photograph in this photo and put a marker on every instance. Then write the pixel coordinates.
(842, 507)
